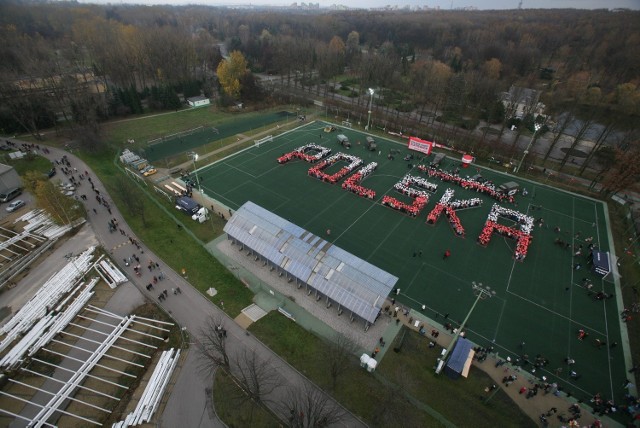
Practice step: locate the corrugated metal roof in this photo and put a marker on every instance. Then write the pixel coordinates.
(355, 284)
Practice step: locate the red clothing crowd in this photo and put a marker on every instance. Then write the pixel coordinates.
(352, 183)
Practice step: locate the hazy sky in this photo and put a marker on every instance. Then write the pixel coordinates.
(443, 4)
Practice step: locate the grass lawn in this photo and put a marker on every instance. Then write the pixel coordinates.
(30, 163)
(235, 409)
(144, 128)
(447, 395)
(376, 398)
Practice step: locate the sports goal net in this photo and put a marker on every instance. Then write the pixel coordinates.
(267, 139)
(177, 135)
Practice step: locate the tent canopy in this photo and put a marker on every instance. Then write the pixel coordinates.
(458, 358)
(601, 264)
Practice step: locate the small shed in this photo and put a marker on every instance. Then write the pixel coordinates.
(198, 101)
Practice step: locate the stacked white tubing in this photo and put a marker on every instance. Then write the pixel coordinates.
(46, 298)
(46, 328)
(64, 318)
(111, 274)
(152, 394)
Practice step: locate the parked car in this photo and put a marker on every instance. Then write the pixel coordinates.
(149, 172)
(15, 205)
(10, 194)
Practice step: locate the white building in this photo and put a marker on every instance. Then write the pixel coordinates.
(198, 101)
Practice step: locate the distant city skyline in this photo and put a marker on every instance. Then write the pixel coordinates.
(442, 4)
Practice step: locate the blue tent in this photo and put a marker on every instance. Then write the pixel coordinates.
(601, 263)
(458, 358)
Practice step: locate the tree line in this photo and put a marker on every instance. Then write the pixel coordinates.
(439, 70)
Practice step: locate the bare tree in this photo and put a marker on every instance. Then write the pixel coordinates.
(607, 130)
(212, 344)
(307, 406)
(256, 376)
(340, 354)
(624, 173)
(565, 120)
(585, 126)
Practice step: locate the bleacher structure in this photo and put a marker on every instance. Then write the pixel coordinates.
(40, 222)
(322, 268)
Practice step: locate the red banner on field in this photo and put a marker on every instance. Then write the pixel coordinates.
(419, 145)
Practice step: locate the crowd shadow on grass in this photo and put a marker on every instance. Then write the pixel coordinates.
(412, 369)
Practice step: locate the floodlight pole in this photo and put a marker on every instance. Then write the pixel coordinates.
(536, 127)
(371, 92)
(482, 293)
(194, 158)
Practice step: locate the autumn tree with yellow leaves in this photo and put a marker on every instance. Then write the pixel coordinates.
(230, 72)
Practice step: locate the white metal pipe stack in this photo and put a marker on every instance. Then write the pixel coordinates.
(110, 273)
(152, 394)
(46, 298)
(45, 329)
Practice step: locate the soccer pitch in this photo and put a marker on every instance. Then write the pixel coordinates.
(541, 301)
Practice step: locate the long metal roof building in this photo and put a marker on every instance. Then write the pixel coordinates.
(339, 276)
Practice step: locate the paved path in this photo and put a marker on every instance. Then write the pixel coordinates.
(190, 310)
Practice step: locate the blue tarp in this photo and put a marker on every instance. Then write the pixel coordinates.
(601, 263)
(458, 358)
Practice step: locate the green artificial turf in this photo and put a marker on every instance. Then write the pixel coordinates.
(539, 301)
(209, 131)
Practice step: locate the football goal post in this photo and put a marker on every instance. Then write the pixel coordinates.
(267, 139)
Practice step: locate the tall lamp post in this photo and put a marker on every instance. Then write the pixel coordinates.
(536, 127)
(371, 92)
(481, 293)
(194, 158)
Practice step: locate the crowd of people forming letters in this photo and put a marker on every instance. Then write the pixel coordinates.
(419, 189)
